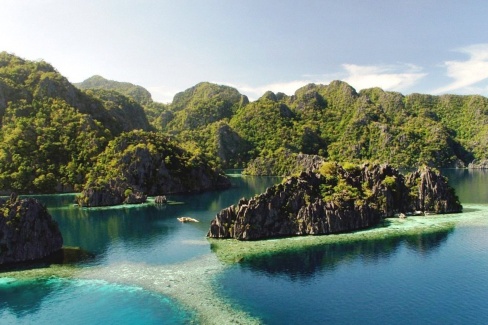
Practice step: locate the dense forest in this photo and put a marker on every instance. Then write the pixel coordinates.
(52, 131)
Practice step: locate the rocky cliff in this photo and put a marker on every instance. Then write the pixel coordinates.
(27, 231)
(334, 200)
(283, 163)
(429, 192)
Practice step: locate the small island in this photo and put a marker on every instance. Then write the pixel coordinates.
(139, 163)
(335, 199)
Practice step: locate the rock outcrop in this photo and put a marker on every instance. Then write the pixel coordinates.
(430, 192)
(27, 231)
(232, 149)
(160, 199)
(115, 192)
(333, 201)
(478, 164)
(283, 163)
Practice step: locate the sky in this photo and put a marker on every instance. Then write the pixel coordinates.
(409, 46)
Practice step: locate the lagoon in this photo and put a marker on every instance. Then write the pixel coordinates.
(151, 269)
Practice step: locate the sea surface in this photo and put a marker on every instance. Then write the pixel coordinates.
(148, 268)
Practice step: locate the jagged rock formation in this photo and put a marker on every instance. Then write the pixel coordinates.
(309, 162)
(115, 192)
(431, 193)
(334, 200)
(27, 231)
(283, 163)
(478, 164)
(231, 148)
(138, 164)
(160, 199)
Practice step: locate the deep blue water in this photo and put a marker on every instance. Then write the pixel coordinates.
(437, 278)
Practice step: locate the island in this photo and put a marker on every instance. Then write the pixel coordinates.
(335, 199)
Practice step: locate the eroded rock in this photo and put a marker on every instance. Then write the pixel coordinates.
(340, 201)
(27, 231)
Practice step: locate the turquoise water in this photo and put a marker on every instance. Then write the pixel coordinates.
(61, 301)
(151, 269)
(141, 235)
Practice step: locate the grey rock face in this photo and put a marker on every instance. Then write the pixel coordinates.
(27, 231)
(478, 164)
(114, 193)
(309, 162)
(148, 174)
(300, 207)
(431, 193)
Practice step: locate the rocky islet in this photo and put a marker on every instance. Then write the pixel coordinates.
(334, 201)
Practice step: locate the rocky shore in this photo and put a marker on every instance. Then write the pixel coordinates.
(333, 200)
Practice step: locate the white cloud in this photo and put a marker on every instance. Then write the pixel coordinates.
(163, 94)
(387, 77)
(469, 72)
(288, 88)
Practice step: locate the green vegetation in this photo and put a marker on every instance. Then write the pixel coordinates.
(152, 163)
(137, 93)
(333, 121)
(131, 153)
(133, 92)
(51, 132)
(47, 146)
(338, 123)
(199, 118)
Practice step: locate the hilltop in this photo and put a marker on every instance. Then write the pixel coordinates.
(52, 131)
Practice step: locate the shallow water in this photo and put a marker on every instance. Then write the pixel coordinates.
(150, 268)
(61, 301)
(131, 244)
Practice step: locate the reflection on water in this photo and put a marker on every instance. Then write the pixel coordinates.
(427, 243)
(305, 263)
(471, 184)
(438, 276)
(95, 230)
(25, 298)
(148, 233)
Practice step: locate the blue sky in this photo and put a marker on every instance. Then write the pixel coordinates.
(408, 46)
